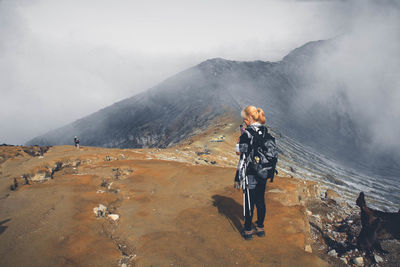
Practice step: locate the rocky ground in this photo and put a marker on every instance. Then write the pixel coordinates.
(62, 206)
(335, 226)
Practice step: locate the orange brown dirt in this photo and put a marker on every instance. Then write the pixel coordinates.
(174, 210)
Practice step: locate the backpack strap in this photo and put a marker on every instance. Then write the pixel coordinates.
(255, 134)
(255, 139)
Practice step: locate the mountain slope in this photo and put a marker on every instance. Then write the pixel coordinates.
(187, 102)
(163, 115)
(171, 111)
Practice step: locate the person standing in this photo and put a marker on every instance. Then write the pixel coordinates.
(246, 177)
(76, 141)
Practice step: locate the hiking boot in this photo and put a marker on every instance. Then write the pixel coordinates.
(259, 231)
(248, 235)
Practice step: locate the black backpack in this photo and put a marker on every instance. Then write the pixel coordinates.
(264, 153)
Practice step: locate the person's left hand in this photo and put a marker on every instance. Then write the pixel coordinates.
(237, 149)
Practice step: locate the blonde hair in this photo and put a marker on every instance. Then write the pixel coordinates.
(257, 114)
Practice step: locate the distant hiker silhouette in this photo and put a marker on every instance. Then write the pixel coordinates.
(258, 157)
(76, 142)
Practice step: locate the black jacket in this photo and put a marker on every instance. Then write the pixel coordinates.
(245, 147)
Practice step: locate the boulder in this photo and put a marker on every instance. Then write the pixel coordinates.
(109, 186)
(113, 217)
(308, 249)
(41, 176)
(377, 258)
(100, 211)
(359, 261)
(332, 253)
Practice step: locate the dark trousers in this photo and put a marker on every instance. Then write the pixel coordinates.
(257, 198)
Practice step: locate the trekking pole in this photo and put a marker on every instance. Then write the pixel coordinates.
(248, 194)
(245, 187)
(242, 183)
(244, 198)
(244, 204)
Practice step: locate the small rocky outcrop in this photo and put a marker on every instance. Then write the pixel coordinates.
(41, 176)
(100, 211)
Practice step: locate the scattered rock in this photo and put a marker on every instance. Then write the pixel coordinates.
(104, 183)
(204, 152)
(113, 217)
(26, 180)
(308, 249)
(100, 211)
(121, 173)
(378, 259)
(344, 260)
(359, 261)
(36, 151)
(114, 191)
(117, 173)
(332, 253)
(100, 191)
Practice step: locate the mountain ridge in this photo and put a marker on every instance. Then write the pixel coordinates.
(174, 109)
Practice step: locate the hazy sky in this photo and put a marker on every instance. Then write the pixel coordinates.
(62, 60)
